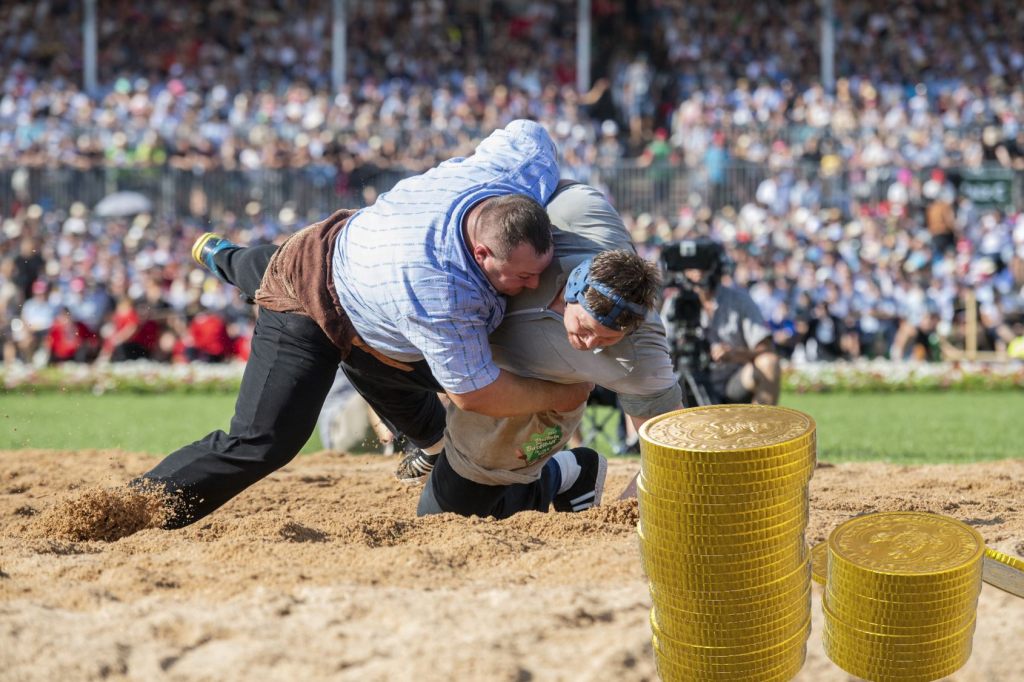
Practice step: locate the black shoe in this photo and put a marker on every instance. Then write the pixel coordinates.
(206, 247)
(415, 467)
(589, 486)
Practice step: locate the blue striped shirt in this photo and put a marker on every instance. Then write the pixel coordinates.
(405, 275)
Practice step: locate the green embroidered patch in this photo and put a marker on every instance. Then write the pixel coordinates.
(541, 444)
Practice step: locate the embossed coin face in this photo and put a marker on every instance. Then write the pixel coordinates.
(721, 428)
(907, 543)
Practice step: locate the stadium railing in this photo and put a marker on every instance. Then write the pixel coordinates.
(318, 190)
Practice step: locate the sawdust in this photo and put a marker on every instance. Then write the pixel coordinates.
(322, 572)
(104, 514)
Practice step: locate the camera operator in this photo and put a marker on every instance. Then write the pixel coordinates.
(738, 363)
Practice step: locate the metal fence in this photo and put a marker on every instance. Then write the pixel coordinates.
(316, 191)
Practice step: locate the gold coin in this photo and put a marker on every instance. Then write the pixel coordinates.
(723, 526)
(681, 581)
(707, 465)
(885, 658)
(701, 473)
(1003, 576)
(892, 657)
(727, 637)
(788, 554)
(708, 629)
(688, 480)
(1011, 561)
(711, 630)
(917, 598)
(673, 488)
(710, 456)
(716, 551)
(674, 671)
(727, 428)
(892, 660)
(902, 593)
(922, 628)
(674, 481)
(722, 664)
(819, 562)
(905, 643)
(735, 511)
(708, 608)
(837, 570)
(740, 542)
(694, 525)
(717, 505)
(764, 551)
(671, 593)
(866, 667)
(906, 621)
(723, 500)
(768, 655)
(673, 567)
(872, 671)
(907, 594)
(713, 498)
(908, 546)
(878, 611)
(741, 616)
(700, 667)
(867, 614)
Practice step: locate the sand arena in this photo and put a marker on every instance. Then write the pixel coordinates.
(321, 572)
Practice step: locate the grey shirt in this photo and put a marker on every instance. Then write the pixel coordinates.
(531, 342)
(737, 322)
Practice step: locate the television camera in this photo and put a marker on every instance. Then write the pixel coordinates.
(689, 345)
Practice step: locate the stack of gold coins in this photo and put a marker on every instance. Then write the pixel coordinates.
(901, 595)
(723, 509)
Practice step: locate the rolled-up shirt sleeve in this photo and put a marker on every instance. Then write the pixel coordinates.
(523, 155)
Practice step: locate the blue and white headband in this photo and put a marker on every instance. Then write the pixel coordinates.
(576, 287)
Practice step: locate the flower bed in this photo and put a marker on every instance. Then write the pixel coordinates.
(129, 377)
(843, 377)
(884, 376)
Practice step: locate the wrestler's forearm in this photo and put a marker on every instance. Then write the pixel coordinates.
(512, 396)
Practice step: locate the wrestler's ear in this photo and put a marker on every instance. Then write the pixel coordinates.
(481, 252)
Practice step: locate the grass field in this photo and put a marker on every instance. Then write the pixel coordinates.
(908, 428)
(139, 423)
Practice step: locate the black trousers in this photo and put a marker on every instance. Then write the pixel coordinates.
(291, 368)
(447, 491)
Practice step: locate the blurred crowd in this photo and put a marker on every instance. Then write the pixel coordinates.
(908, 280)
(246, 85)
(854, 235)
(74, 288)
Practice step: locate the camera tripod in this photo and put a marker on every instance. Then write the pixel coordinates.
(695, 394)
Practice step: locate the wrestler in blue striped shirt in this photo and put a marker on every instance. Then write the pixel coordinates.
(422, 273)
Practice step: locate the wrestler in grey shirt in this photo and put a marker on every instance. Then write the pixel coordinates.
(532, 342)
